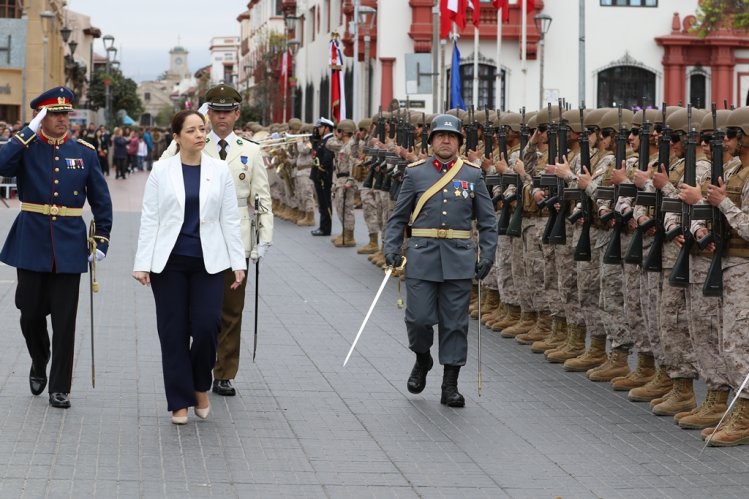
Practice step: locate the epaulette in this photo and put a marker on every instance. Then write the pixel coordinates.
(83, 142)
(470, 164)
(416, 163)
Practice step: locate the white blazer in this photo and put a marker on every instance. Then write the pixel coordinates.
(164, 213)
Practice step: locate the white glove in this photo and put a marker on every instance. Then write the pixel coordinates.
(259, 252)
(37, 121)
(99, 256)
(203, 109)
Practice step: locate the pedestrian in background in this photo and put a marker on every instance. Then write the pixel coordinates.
(189, 234)
(120, 153)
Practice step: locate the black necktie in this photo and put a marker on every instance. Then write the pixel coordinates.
(222, 153)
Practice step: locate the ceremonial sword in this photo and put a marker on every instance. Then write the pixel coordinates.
(388, 272)
(256, 233)
(92, 288)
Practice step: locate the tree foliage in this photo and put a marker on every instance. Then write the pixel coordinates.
(123, 92)
(715, 14)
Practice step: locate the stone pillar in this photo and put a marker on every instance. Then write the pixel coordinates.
(386, 87)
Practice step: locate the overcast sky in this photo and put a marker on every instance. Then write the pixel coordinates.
(145, 30)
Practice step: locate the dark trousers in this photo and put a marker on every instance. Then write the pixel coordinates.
(39, 294)
(442, 303)
(121, 167)
(227, 356)
(324, 191)
(188, 317)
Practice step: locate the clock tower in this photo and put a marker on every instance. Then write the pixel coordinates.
(178, 68)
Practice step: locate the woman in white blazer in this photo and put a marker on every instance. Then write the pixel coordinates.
(189, 234)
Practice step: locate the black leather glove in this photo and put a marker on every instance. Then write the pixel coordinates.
(393, 260)
(482, 268)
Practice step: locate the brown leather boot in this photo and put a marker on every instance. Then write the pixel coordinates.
(308, 220)
(736, 431)
(540, 330)
(499, 311)
(657, 387)
(616, 365)
(644, 372)
(594, 356)
(370, 247)
(556, 338)
(510, 319)
(574, 346)
(525, 324)
(488, 308)
(345, 240)
(708, 413)
(680, 399)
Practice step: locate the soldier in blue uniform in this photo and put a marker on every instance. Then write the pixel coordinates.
(47, 243)
(440, 198)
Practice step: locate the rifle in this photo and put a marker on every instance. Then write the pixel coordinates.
(582, 250)
(488, 135)
(558, 234)
(524, 132)
(613, 254)
(472, 138)
(380, 127)
(550, 181)
(515, 226)
(634, 251)
(680, 272)
(713, 285)
(424, 134)
(393, 121)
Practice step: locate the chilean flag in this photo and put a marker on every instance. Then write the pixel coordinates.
(452, 11)
(337, 95)
(504, 6)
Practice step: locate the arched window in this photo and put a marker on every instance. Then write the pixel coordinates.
(698, 89)
(487, 86)
(630, 86)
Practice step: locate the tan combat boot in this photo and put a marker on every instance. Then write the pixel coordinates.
(474, 297)
(556, 338)
(708, 413)
(492, 302)
(736, 431)
(657, 387)
(538, 332)
(379, 257)
(308, 220)
(510, 319)
(284, 213)
(499, 311)
(644, 372)
(526, 323)
(370, 247)
(594, 356)
(616, 365)
(345, 240)
(481, 306)
(680, 399)
(574, 346)
(274, 204)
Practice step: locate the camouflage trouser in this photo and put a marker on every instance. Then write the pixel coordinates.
(305, 191)
(344, 191)
(673, 326)
(735, 341)
(650, 299)
(550, 291)
(369, 207)
(384, 206)
(564, 262)
(612, 303)
(533, 262)
(505, 283)
(275, 183)
(517, 268)
(704, 327)
(289, 197)
(633, 314)
(589, 284)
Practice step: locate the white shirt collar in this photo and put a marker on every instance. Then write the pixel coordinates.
(230, 139)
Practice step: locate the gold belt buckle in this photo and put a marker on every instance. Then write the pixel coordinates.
(442, 233)
(54, 210)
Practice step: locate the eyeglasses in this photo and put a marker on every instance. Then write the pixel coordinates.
(658, 128)
(675, 137)
(542, 128)
(706, 137)
(606, 133)
(634, 131)
(732, 133)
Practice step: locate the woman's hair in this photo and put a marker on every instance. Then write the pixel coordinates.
(178, 121)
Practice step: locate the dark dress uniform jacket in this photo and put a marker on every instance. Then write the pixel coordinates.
(435, 259)
(65, 174)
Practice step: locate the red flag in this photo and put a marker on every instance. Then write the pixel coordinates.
(504, 6)
(452, 11)
(530, 5)
(476, 11)
(284, 68)
(337, 97)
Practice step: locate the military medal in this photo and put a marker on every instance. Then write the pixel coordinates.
(470, 186)
(456, 185)
(241, 176)
(243, 159)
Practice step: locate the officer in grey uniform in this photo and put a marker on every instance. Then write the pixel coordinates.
(440, 198)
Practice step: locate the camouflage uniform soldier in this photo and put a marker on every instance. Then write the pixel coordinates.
(368, 200)
(305, 187)
(345, 145)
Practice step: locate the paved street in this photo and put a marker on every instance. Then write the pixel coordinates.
(304, 426)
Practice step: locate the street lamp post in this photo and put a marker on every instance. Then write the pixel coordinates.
(543, 23)
(108, 41)
(46, 17)
(290, 24)
(367, 16)
(293, 46)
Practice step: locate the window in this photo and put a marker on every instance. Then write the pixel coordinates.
(278, 8)
(11, 9)
(697, 90)
(629, 3)
(630, 86)
(487, 80)
(147, 96)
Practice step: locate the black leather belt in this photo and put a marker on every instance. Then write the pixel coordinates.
(341, 175)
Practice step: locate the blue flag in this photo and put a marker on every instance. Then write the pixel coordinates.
(456, 98)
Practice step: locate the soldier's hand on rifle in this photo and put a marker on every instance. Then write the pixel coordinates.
(642, 177)
(619, 175)
(690, 194)
(535, 137)
(238, 278)
(561, 170)
(700, 234)
(142, 277)
(642, 221)
(631, 222)
(605, 211)
(660, 178)
(501, 165)
(393, 260)
(716, 193)
(472, 155)
(584, 179)
(482, 268)
(520, 168)
(539, 196)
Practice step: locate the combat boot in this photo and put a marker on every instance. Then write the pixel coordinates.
(492, 301)
(657, 387)
(644, 372)
(274, 204)
(482, 304)
(594, 356)
(526, 323)
(370, 247)
(538, 332)
(345, 240)
(736, 430)
(616, 365)
(450, 394)
(574, 346)
(379, 257)
(708, 414)
(308, 220)
(680, 399)
(510, 319)
(555, 339)
(474, 297)
(283, 212)
(499, 311)
(418, 379)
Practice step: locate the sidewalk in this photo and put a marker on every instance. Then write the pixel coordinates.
(304, 426)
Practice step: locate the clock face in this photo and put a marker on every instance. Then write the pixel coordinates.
(177, 60)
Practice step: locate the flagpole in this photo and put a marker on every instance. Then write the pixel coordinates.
(523, 46)
(354, 100)
(436, 72)
(498, 71)
(475, 63)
